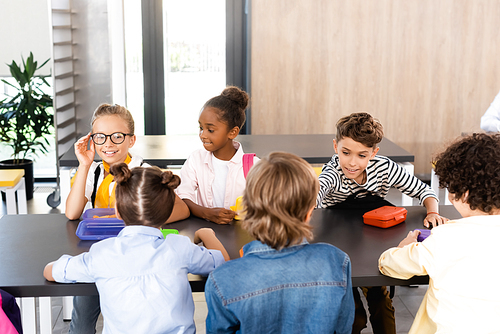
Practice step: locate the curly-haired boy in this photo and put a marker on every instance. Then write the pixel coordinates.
(461, 252)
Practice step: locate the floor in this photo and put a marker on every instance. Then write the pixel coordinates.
(406, 300)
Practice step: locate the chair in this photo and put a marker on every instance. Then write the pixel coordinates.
(435, 187)
(12, 181)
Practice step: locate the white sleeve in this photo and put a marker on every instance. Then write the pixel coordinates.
(491, 118)
(413, 259)
(189, 181)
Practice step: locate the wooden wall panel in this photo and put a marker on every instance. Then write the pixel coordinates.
(427, 69)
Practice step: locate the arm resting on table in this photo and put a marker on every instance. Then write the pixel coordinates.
(179, 212)
(405, 262)
(47, 272)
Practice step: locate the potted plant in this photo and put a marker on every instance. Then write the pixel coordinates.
(26, 118)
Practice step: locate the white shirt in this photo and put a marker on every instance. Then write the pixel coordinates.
(142, 279)
(491, 118)
(461, 259)
(219, 184)
(197, 177)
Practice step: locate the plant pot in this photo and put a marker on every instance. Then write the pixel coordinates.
(29, 179)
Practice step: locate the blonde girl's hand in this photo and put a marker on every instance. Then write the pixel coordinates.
(434, 219)
(84, 155)
(410, 238)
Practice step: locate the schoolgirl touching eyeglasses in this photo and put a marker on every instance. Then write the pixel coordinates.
(111, 138)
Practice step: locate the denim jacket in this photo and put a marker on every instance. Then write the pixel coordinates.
(300, 289)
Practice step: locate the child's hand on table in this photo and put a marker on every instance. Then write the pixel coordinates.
(410, 238)
(210, 241)
(84, 156)
(220, 215)
(202, 233)
(434, 219)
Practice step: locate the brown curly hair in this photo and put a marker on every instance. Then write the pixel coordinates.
(144, 195)
(470, 165)
(360, 127)
(231, 104)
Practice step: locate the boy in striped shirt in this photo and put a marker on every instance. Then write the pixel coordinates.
(356, 177)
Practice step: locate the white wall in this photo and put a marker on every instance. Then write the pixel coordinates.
(24, 27)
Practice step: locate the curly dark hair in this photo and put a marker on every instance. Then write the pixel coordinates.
(231, 104)
(360, 127)
(471, 164)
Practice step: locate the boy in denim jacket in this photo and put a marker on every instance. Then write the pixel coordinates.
(282, 284)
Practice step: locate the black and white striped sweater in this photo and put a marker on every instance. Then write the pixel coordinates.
(381, 172)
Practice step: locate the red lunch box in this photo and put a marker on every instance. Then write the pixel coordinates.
(386, 216)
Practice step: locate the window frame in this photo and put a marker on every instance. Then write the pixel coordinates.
(237, 59)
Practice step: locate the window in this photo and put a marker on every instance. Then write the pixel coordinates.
(195, 59)
(184, 59)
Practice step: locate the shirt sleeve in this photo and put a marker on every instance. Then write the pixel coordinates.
(328, 182)
(204, 261)
(219, 318)
(72, 269)
(409, 184)
(404, 263)
(189, 181)
(491, 118)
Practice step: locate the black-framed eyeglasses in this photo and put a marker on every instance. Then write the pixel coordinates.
(116, 138)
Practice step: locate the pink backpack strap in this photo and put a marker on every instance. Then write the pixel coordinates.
(6, 326)
(247, 163)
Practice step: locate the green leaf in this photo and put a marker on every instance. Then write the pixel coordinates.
(27, 117)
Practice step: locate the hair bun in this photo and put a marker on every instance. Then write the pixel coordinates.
(121, 172)
(236, 95)
(170, 179)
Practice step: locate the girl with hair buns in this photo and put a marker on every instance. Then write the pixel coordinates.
(111, 138)
(140, 275)
(213, 177)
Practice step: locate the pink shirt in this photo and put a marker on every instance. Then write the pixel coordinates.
(197, 176)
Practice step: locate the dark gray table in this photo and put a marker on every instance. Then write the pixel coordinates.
(29, 242)
(173, 150)
(164, 151)
(364, 244)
